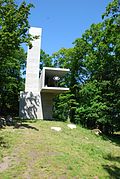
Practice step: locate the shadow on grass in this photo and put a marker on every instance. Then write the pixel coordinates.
(18, 123)
(23, 126)
(113, 170)
(3, 142)
(114, 138)
(17, 119)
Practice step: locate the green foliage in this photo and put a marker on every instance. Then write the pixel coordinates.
(61, 108)
(13, 26)
(103, 64)
(92, 109)
(11, 83)
(45, 60)
(94, 78)
(13, 32)
(72, 59)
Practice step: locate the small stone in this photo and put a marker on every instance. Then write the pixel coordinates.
(96, 132)
(71, 126)
(56, 128)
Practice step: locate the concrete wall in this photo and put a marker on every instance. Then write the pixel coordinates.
(47, 105)
(30, 105)
(35, 105)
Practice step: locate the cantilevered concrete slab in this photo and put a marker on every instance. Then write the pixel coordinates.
(49, 88)
(48, 83)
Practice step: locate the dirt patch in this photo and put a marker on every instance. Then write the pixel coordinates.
(32, 157)
(8, 161)
(5, 164)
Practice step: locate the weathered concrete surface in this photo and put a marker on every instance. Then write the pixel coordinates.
(30, 105)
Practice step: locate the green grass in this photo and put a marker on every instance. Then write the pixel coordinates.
(37, 152)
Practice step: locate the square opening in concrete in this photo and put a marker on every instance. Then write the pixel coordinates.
(50, 78)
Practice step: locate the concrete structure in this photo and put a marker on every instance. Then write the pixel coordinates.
(33, 61)
(40, 89)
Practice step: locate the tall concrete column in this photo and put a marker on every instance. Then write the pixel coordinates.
(33, 61)
(30, 100)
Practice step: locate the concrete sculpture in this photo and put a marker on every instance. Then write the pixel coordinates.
(40, 88)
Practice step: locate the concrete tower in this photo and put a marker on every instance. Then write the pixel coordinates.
(33, 61)
(36, 102)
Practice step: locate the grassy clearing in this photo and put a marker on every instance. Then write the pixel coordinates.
(36, 152)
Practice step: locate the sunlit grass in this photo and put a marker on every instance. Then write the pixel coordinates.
(36, 151)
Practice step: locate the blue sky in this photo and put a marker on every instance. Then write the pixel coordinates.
(63, 21)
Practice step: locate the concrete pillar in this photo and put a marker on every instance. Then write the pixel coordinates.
(30, 100)
(33, 61)
(47, 105)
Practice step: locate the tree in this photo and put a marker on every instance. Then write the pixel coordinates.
(45, 60)
(68, 102)
(94, 80)
(103, 66)
(14, 27)
(12, 83)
